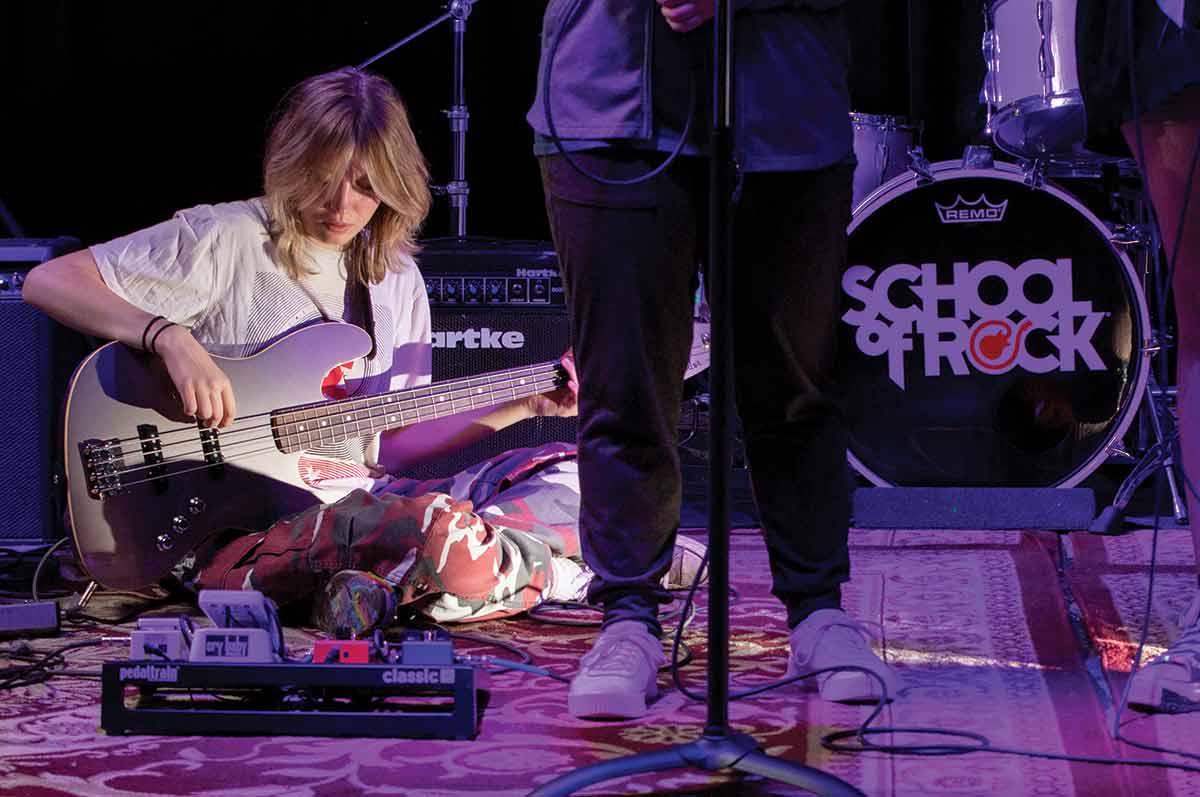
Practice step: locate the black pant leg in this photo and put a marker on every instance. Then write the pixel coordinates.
(790, 254)
(628, 259)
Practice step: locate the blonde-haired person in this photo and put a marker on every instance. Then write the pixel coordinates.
(333, 125)
(332, 240)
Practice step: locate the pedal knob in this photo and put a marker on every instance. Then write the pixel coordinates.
(179, 524)
(196, 505)
(165, 543)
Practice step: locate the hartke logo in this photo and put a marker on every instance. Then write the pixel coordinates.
(479, 339)
(537, 272)
(959, 330)
(961, 211)
(149, 672)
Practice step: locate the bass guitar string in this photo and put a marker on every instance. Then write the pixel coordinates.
(345, 406)
(533, 388)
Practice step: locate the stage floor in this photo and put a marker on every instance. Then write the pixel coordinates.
(986, 633)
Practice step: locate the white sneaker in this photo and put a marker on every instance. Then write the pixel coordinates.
(568, 581)
(1171, 682)
(618, 675)
(685, 563)
(569, 578)
(831, 638)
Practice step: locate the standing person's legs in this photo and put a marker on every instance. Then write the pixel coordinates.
(790, 255)
(628, 260)
(791, 251)
(1165, 150)
(1168, 140)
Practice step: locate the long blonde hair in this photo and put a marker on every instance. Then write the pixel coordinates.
(321, 126)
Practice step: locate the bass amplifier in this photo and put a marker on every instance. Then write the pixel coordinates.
(38, 356)
(494, 304)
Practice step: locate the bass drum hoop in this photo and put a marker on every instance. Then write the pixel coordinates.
(898, 186)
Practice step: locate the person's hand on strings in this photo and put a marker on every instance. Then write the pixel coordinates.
(205, 392)
(562, 402)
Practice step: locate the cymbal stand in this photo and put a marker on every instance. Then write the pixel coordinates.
(457, 188)
(1139, 237)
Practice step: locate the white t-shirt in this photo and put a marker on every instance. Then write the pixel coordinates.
(211, 268)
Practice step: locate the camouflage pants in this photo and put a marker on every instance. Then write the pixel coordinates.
(475, 546)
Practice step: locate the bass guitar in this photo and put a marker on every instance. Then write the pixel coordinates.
(146, 483)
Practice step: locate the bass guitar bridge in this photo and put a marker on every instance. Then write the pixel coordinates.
(102, 465)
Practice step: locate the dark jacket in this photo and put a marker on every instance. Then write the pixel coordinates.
(619, 73)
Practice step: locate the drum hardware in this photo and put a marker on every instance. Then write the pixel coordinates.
(1111, 519)
(919, 165)
(1118, 452)
(1130, 235)
(1035, 173)
(976, 156)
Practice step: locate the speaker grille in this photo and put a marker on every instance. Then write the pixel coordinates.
(37, 357)
(27, 493)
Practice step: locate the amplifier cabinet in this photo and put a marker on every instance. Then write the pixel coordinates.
(494, 304)
(37, 356)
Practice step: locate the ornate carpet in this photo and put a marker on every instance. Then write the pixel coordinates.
(986, 635)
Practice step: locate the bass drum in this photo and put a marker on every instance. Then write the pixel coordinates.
(992, 334)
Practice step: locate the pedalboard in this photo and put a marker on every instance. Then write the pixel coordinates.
(417, 691)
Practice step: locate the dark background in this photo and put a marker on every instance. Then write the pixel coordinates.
(116, 114)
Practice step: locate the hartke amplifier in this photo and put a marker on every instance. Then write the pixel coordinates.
(494, 304)
(37, 357)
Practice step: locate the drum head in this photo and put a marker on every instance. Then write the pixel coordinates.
(991, 334)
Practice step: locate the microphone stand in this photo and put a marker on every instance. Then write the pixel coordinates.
(457, 189)
(718, 747)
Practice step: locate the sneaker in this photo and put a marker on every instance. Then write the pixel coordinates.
(569, 578)
(831, 638)
(685, 563)
(1171, 681)
(569, 581)
(353, 604)
(618, 675)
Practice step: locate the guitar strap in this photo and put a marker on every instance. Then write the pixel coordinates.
(361, 309)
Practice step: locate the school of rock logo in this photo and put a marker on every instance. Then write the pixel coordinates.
(970, 332)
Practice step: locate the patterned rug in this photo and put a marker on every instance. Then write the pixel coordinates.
(986, 635)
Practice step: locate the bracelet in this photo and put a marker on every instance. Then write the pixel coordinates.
(146, 331)
(154, 337)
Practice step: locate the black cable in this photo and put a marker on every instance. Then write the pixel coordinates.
(15, 556)
(522, 656)
(77, 615)
(37, 671)
(547, 68)
(41, 564)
